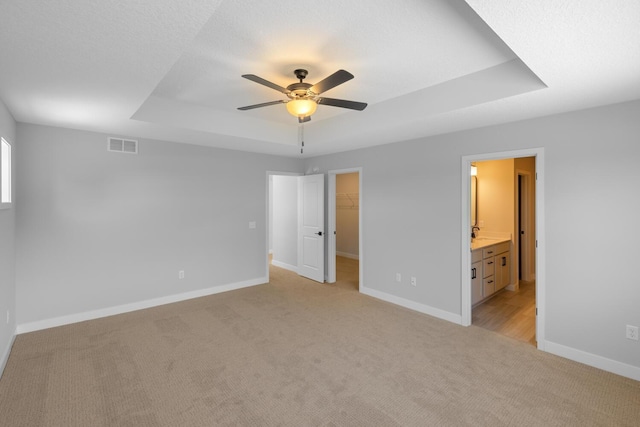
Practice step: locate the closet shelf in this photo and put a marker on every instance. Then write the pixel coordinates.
(347, 200)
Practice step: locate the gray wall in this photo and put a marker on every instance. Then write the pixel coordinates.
(7, 245)
(411, 205)
(99, 229)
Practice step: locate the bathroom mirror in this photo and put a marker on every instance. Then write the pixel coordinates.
(474, 201)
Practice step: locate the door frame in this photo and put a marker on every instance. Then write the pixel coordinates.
(331, 225)
(465, 240)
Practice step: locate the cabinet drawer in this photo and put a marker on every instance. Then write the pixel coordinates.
(489, 251)
(488, 267)
(493, 250)
(476, 255)
(488, 286)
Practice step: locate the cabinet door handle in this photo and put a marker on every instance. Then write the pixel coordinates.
(504, 261)
(473, 273)
(490, 252)
(490, 281)
(490, 262)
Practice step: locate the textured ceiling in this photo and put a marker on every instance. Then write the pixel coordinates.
(171, 70)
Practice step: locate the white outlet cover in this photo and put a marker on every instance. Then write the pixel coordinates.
(252, 224)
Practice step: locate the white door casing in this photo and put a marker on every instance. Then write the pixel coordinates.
(311, 227)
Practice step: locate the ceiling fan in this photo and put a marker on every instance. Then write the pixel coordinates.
(304, 97)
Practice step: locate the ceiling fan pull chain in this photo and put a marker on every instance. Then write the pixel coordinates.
(301, 137)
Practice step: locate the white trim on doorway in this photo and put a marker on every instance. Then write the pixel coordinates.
(465, 255)
(331, 223)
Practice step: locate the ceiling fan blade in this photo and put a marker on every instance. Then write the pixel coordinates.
(264, 104)
(264, 82)
(332, 81)
(343, 103)
(304, 119)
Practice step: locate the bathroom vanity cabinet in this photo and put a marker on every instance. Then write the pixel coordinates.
(490, 269)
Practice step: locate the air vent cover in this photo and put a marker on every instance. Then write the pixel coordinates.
(121, 145)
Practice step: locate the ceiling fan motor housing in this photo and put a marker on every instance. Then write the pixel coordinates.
(300, 90)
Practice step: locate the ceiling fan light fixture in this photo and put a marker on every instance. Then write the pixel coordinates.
(301, 107)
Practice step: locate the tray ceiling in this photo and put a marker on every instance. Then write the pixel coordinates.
(159, 69)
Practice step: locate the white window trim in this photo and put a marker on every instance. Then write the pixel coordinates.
(5, 174)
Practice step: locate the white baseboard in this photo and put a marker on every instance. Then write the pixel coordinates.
(284, 265)
(412, 305)
(347, 255)
(594, 360)
(5, 355)
(126, 308)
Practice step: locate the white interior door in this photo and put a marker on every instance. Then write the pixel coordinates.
(311, 227)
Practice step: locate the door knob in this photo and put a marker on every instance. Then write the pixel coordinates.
(319, 233)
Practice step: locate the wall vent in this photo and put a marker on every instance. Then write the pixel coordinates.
(121, 145)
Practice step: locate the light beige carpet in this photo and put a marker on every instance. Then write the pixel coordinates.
(297, 353)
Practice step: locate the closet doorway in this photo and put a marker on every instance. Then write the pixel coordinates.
(344, 258)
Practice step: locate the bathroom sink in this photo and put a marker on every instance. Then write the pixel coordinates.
(481, 242)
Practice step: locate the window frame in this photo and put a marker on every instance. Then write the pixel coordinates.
(6, 190)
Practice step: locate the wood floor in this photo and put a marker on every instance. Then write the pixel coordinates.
(510, 313)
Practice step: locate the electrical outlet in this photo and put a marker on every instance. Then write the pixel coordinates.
(414, 282)
(398, 277)
(181, 274)
(632, 332)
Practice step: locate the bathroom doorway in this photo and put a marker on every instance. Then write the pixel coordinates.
(506, 203)
(509, 183)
